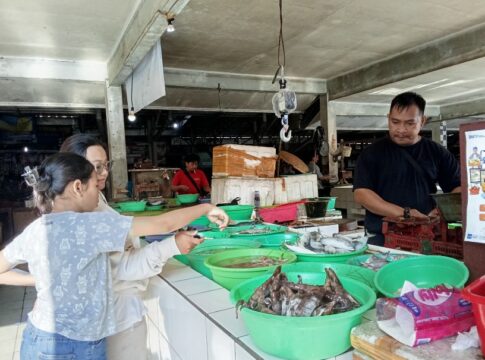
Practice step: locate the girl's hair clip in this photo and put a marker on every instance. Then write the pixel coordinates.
(31, 176)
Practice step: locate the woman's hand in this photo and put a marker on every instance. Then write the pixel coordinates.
(186, 241)
(218, 216)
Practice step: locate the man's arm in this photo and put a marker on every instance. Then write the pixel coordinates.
(374, 203)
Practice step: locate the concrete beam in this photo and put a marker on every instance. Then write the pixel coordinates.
(183, 78)
(450, 50)
(145, 27)
(29, 68)
(343, 108)
(365, 116)
(463, 109)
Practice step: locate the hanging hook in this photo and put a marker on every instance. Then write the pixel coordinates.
(285, 138)
(285, 129)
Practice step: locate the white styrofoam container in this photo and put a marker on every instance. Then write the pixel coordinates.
(223, 190)
(295, 187)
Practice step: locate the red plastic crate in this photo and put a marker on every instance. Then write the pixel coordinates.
(403, 242)
(447, 249)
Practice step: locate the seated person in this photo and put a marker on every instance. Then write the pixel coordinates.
(191, 180)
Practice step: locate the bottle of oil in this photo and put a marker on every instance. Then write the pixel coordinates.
(257, 199)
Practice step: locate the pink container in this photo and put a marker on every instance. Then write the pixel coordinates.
(280, 213)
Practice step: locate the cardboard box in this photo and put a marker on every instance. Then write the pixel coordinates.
(244, 161)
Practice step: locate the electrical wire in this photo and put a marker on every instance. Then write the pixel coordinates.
(131, 96)
(281, 42)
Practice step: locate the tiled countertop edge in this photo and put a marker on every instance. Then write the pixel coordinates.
(173, 285)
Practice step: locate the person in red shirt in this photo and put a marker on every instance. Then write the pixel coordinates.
(191, 180)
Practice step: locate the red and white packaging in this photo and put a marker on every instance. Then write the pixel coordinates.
(420, 316)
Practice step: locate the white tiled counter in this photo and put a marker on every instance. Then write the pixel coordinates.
(191, 318)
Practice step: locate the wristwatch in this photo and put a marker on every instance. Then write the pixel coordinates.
(407, 213)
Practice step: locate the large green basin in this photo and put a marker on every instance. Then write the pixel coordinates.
(197, 256)
(423, 271)
(308, 338)
(230, 277)
(238, 212)
(276, 240)
(330, 258)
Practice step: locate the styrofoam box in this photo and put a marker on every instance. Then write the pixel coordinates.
(223, 190)
(295, 187)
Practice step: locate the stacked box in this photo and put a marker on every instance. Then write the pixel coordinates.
(244, 161)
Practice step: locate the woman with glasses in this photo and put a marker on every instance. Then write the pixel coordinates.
(131, 269)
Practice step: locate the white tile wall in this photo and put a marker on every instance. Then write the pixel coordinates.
(181, 323)
(219, 345)
(248, 341)
(196, 286)
(242, 354)
(227, 319)
(158, 347)
(177, 273)
(212, 301)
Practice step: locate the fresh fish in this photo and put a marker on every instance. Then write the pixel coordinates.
(279, 296)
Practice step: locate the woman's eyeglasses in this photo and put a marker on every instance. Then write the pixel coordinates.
(100, 167)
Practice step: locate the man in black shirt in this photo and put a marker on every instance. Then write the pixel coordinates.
(395, 175)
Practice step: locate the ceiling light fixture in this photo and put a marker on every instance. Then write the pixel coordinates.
(131, 113)
(170, 27)
(26, 149)
(175, 125)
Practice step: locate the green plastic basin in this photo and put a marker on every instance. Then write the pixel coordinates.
(422, 271)
(230, 277)
(269, 229)
(365, 276)
(129, 206)
(187, 198)
(214, 234)
(153, 207)
(308, 338)
(330, 258)
(201, 221)
(276, 240)
(238, 212)
(209, 247)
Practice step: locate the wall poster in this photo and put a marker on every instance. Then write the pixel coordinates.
(475, 163)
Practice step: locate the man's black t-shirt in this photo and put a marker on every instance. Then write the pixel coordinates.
(384, 169)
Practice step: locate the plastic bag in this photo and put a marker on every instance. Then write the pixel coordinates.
(420, 316)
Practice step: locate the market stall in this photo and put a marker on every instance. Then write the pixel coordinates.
(186, 307)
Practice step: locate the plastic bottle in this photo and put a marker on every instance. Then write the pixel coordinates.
(257, 199)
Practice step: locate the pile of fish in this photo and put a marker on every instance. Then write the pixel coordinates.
(253, 262)
(336, 244)
(279, 296)
(378, 260)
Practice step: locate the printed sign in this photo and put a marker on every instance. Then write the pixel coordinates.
(475, 163)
